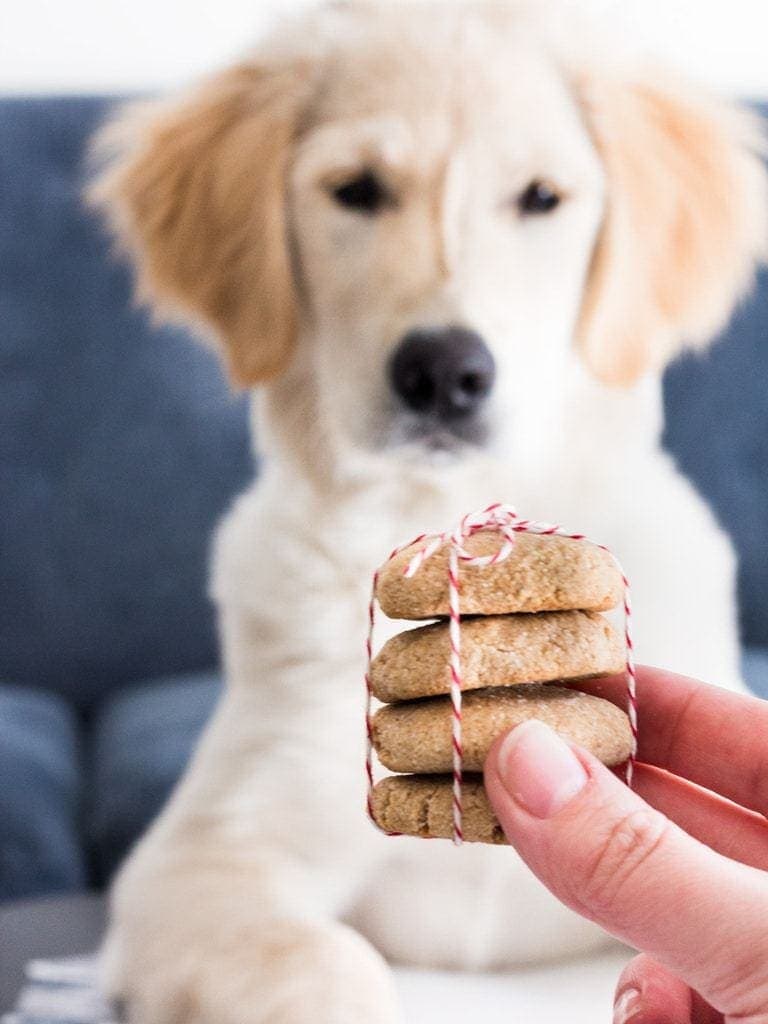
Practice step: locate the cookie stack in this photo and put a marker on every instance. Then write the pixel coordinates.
(528, 622)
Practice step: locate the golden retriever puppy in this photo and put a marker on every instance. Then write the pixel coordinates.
(452, 249)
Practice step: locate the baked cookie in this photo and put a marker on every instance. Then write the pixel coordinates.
(543, 573)
(417, 805)
(415, 736)
(497, 650)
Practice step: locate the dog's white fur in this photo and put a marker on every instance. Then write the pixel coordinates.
(228, 909)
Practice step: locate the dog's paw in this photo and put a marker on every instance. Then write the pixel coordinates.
(281, 972)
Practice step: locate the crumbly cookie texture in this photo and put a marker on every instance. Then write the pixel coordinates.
(422, 806)
(497, 650)
(415, 736)
(543, 573)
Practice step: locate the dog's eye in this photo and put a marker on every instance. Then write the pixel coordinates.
(539, 197)
(365, 193)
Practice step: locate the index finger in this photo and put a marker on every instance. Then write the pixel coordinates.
(711, 736)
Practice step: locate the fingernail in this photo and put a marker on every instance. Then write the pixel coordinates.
(626, 1006)
(539, 770)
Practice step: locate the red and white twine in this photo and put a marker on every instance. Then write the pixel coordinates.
(504, 520)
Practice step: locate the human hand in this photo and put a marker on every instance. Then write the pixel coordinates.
(676, 866)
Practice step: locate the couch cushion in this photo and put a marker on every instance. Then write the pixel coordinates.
(141, 741)
(40, 795)
(755, 668)
(717, 430)
(120, 444)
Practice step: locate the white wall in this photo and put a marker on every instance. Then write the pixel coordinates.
(115, 45)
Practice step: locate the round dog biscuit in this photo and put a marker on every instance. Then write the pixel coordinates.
(497, 650)
(416, 805)
(543, 573)
(415, 736)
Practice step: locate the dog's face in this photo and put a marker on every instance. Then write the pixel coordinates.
(429, 225)
(444, 205)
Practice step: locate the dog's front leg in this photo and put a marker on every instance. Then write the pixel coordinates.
(225, 913)
(197, 960)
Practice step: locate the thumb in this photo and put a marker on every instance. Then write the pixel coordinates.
(614, 859)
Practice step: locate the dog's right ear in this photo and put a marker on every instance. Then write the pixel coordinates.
(195, 193)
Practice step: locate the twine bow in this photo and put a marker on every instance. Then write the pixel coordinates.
(502, 519)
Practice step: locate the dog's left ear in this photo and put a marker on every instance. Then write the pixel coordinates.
(686, 220)
(195, 192)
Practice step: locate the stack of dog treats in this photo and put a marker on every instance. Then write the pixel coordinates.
(528, 622)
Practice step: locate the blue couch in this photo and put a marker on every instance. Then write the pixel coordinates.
(120, 445)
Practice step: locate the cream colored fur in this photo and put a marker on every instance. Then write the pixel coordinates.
(228, 910)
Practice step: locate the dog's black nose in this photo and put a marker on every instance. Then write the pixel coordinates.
(447, 372)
